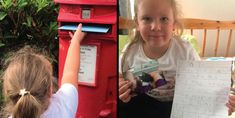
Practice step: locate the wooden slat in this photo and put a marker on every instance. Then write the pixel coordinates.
(229, 42)
(217, 42)
(126, 23)
(191, 31)
(188, 24)
(204, 42)
(208, 24)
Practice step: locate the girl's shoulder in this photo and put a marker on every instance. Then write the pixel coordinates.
(131, 50)
(182, 43)
(132, 46)
(184, 48)
(63, 103)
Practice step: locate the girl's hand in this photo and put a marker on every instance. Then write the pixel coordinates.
(231, 104)
(78, 35)
(124, 90)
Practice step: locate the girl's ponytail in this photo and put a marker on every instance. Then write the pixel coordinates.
(27, 107)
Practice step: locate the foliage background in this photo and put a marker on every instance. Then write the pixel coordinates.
(28, 22)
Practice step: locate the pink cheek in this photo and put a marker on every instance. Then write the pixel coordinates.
(171, 27)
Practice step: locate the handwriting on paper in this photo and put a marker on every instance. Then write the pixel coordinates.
(202, 89)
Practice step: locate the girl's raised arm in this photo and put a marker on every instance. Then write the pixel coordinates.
(72, 62)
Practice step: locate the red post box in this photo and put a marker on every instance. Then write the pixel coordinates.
(98, 72)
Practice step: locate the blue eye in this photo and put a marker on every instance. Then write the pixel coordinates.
(164, 19)
(147, 19)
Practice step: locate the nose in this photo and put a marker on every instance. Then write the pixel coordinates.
(156, 26)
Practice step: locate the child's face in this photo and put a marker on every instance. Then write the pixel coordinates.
(155, 22)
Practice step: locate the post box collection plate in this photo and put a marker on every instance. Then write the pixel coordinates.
(87, 73)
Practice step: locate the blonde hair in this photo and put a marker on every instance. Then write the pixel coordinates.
(135, 35)
(30, 71)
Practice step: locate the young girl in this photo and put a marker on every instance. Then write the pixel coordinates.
(156, 38)
(28, 84)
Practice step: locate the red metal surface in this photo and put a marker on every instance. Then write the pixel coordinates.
(97, 101)
(88, 2)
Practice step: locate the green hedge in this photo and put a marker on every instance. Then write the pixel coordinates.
(28, 22)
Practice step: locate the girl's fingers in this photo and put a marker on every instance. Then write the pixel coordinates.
(125, 97)
(79, 35)
(232, 100)
(120, 75)
(232, 97)
(121, 83)
(79, 32)
(230, 108)
(124, 88)
(71, 34)
(231, 104)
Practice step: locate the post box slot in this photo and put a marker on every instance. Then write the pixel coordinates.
(94, 28)
(101, 31)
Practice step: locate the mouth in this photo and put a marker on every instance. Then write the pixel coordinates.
(156, 36)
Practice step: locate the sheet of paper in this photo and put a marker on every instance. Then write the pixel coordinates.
(86, 28)
(201, 89)
(87, 72)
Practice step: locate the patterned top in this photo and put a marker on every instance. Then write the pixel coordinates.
(178, 50)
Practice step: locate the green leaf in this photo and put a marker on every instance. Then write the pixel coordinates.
(53, 26)
(28, 22)
(2, 15)
(41, 4)
(22, 3)
(1, 44)
(6, 4)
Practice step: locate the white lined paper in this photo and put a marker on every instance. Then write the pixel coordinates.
(202, 89)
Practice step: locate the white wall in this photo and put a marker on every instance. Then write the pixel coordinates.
(214, 10)
(211, 9)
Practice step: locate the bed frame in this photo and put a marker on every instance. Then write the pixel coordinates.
(193, 25)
